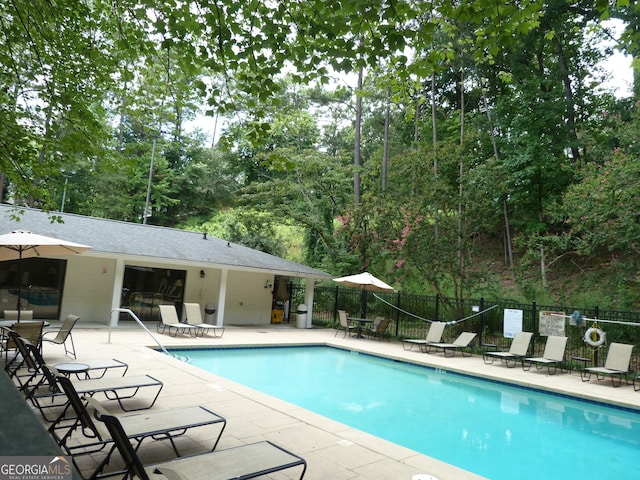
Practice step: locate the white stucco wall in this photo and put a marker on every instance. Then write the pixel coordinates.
(248, 302)
(89, 281)
(87, 289)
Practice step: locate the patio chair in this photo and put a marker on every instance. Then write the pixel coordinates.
(13, 315)
(344, 324)
(434, 335)
(21, 361)
(246, 461)
(517, 351)
(169, 322)
(552, 356)
(379, 328)
(31, 330)
(461, 344)
(63, 334)
(94, 437)
(615, 366)
(193, 316)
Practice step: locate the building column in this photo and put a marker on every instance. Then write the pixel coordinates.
(222, 295)
(116, 294)
(308, 299)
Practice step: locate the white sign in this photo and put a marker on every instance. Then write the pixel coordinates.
(512, 322)
(552, 323)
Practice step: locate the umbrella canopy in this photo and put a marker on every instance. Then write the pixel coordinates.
(21, 244)
(368, 283)
(365, 281)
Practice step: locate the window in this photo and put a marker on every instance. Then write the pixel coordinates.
(42, 285)
(144, 288)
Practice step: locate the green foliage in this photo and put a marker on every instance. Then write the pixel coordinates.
(251, 228)
(495, 123)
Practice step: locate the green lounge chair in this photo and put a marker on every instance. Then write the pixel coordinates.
(434, 335)
(616, 365)
(461, 344)
(243, 462)
(517, 351)
(84, 436)
(552, 356)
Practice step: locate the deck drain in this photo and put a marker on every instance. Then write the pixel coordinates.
(423, 476)
(345, 443)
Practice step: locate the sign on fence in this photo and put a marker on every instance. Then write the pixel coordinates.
(551, 323)
(512, 322)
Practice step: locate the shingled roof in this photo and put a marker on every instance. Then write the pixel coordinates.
(123, 239)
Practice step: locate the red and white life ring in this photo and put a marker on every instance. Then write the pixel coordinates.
(595, 337)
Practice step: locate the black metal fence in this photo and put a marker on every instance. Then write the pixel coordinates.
(412, 314)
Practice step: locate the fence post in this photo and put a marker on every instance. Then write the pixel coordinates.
(437, 319)
(335, 304)
(397, 309)
(596, 314)
(535, 329)
(480, 336)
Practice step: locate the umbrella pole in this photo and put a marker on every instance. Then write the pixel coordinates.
(363, 304)
(19, 283)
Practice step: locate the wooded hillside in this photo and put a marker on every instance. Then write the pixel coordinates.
(478, 154)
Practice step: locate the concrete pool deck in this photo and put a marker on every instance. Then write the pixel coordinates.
(331, 449)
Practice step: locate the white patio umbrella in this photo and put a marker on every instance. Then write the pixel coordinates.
(368, 283)
(21, 244)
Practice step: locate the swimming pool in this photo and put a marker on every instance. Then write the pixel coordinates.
(489, 428)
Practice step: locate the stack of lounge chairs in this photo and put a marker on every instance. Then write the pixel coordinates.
(83, 426)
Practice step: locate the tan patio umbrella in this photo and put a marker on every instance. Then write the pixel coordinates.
(368, 283)
(21, 244)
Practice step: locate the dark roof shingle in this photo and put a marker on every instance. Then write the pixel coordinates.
(159, 243)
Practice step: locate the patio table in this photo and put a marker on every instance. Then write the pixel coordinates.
(360, 321)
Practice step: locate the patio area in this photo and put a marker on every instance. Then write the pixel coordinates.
(331, 449)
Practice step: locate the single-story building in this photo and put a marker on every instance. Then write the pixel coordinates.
(135, 266)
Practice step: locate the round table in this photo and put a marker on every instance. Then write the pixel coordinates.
(72, 368)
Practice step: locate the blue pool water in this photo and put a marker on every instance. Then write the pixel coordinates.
(490, 428)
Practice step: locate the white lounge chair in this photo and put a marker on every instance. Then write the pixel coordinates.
(460, 344)
(552, 356)
(615, 366)
(517, 351)
(169, 321)
(434, 335)
(193, 316)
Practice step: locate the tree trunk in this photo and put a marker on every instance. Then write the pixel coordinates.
(460, 177)
(505, 204)
(568, 94)
(435, 148)
(385, 145)
(356, 150)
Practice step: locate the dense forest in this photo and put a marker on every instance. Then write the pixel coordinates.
(476, 151)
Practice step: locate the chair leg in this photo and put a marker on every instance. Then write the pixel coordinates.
(72, 350)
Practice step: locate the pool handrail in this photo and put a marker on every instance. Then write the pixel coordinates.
(135, 317)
